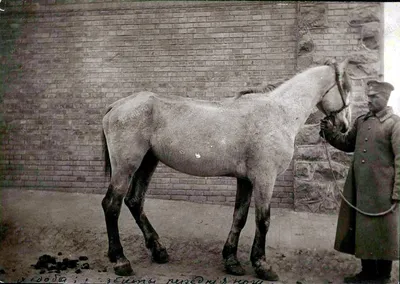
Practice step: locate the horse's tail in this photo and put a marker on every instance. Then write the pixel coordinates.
(107, 162)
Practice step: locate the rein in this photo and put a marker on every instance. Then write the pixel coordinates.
(391, 209)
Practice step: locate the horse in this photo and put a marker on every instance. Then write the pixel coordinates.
(249, 137)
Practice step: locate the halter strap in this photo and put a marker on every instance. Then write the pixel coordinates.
(338, 80)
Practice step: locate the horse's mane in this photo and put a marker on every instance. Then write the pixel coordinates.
(346, 83)
(261, 89)
(270, 87)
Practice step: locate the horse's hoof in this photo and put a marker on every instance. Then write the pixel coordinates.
(233, 266)
(266, 274)
(123, 268)
(160, 256)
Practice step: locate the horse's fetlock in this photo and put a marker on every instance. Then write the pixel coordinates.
(115, 253)
(257, 258)
(260, 263)
(229, 250)
(151, 243)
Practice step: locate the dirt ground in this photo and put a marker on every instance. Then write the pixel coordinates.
(299, 245)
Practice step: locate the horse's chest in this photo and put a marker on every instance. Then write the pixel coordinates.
(270, 150)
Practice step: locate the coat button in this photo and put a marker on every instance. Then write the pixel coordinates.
(366, 139)
(369, 127)
(363, 161)
(365, 150)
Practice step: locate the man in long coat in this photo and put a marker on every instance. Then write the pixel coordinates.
(372, 185)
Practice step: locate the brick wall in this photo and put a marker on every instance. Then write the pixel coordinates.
(76, 57)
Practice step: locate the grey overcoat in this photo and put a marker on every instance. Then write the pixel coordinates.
(372, 184)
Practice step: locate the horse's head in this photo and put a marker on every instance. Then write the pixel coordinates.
(336, 101)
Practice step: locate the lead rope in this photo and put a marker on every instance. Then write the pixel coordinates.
(391, 209)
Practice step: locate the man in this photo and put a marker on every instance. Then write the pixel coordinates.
(372, 185)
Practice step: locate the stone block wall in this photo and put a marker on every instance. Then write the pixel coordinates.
(72, 58)
(349, 30)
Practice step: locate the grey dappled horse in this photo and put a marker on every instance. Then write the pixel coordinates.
(250, 137)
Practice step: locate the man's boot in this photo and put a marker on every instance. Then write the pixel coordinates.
(368, 274)
(384, 270)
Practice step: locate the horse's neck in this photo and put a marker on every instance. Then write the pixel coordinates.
(298, 96)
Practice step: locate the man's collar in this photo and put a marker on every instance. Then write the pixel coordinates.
(385, 113)
(381, 115)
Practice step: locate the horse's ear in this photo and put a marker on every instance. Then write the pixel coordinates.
(346, 79)
(330, 61)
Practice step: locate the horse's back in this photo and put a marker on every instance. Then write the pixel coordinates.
(132, 100)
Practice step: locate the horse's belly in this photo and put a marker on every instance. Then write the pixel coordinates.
(199, 139)
(199, 156)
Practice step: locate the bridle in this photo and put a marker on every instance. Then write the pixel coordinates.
(338, 83)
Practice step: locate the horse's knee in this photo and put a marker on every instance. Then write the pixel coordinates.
(111, 202)
(105, 204)
(229, 250)
(107, 198)
(263, 219)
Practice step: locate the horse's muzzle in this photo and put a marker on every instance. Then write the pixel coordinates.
(344, 128)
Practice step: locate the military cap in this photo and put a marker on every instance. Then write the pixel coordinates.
(375, 87)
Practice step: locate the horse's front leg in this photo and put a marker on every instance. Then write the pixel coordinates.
(262, 188)
(112, 207)
(242, 204)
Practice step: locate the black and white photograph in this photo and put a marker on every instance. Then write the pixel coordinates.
(199, 142)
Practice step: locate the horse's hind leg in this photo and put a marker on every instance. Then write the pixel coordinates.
(112, 207)
(135, 201)
(242, 204)
(124, 164)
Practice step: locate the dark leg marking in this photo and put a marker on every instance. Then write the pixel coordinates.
(263, 216)
(112, 207)
(135, 202)
(242, 204)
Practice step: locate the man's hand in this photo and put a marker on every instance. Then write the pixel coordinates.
(326, 125)
(327, 128)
